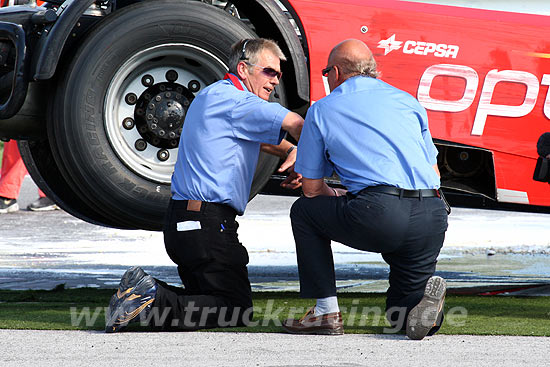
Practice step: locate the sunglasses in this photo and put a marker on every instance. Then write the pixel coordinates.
(326, 70)
(270, 72)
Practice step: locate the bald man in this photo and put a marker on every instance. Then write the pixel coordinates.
(376, 138)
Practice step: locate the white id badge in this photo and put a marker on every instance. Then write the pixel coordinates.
(189, 225)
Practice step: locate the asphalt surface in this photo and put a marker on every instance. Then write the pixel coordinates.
(482, 248)
(78, 348)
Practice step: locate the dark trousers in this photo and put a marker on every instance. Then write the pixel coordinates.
(212, 266)
(408, 232)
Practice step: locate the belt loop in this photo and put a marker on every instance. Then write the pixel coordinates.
(401, 191)
(420, 194)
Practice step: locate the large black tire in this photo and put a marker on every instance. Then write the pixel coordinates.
(97, 155)
(42, 167)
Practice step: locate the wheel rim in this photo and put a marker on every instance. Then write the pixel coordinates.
(143, 117)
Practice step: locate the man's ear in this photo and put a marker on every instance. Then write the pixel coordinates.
(242, 70)
(337, 74)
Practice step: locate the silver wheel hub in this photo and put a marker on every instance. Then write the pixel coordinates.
(147, 101)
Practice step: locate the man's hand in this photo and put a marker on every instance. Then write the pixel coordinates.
(289, 161)
(293, 181)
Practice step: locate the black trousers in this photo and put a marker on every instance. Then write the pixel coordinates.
(212, 266)
(408, 232)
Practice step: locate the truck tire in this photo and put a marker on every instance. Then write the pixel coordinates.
(45, 173)
(120, 103)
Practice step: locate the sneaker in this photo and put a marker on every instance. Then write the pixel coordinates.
(127, 283)
(8, 205)
(42, 205)
(135, 306)
(328, 324)
(426, 314)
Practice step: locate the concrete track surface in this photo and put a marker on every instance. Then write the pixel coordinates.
(83, 348)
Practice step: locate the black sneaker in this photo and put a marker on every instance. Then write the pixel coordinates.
(42, 205)
(127, 283)
(425, 315)
(135, 306)
(8, 205)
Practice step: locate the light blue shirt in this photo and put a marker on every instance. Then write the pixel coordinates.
(369, 133)
(220, 144)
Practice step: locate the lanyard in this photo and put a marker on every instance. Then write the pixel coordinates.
(236, 82)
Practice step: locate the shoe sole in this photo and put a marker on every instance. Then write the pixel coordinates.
(424, 315)
(123, 320)
(127, 283)
(10, 209)
(312, 331)
(316, 332)
(44, 209)
(118, 316)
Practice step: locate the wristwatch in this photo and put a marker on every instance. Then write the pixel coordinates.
(290, 150)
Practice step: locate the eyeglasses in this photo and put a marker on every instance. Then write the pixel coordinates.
(326, 70)
(270, 72)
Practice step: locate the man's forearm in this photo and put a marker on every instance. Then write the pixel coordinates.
(277, 150)
(293, 124)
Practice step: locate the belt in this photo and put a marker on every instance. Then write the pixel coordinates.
(203, 207)
(404, 193)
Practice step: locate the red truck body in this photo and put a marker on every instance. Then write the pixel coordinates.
(482, 75)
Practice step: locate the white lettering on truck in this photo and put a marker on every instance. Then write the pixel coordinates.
(485, 107)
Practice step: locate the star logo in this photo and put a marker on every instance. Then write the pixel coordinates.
(389, 45)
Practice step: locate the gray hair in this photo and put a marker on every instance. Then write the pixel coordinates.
(361, 67)
(250, 49)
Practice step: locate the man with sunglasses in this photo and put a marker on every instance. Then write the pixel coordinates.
(226, 126)
(376, 138)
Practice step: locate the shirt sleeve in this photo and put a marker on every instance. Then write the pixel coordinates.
(427, 136)
(312, 161)
(254, 119)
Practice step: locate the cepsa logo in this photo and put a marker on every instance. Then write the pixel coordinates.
(419, 48)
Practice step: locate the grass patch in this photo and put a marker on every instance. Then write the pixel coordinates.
(84, 309)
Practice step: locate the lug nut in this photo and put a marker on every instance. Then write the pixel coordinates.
(162, 132)
(128, 123)
(150, 116)
(147, 80)
(163, 155)
(173, 143)
(194, 86)
(171, 76)
(143, 129)
(141, 145)
(140, 112)
(158, 98)
(151, 106)
(171, 135)
(162, 88)
(186, 103)
(168, 95)
(156, 120)
(154, 126)
(131, 98)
